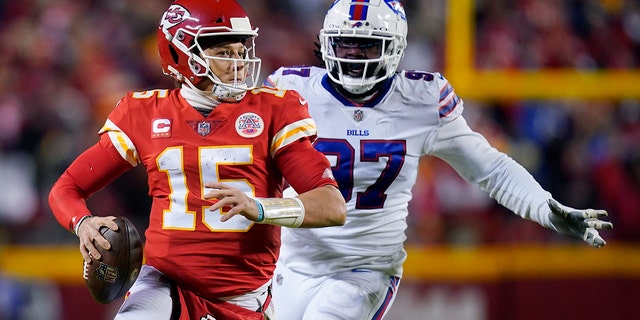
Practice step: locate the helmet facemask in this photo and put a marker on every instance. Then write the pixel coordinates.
(189, 28)
(246, 66)
(358, 73)
(384, 26)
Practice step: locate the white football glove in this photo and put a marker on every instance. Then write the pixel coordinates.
(582, 224)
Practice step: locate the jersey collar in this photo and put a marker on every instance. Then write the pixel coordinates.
(346, 102)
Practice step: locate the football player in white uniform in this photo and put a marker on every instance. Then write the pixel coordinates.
(374, 124)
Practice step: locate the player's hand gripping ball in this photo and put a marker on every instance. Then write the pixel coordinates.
(111, 277)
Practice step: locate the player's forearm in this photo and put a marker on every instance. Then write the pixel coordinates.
(514, 188)
(67, 202)
(90, 172)
(324, 207)
(505, 180)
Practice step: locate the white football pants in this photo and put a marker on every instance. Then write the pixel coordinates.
(149, 298)
(354, 295)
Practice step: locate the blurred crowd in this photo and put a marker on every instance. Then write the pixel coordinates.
(65, 63)
(586, 153)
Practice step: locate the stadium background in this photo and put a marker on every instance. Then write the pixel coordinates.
(554, 83)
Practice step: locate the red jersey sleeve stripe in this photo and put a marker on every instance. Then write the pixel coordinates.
(294, 132)
(121, 142)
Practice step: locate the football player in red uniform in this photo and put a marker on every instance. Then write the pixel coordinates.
(217, 151)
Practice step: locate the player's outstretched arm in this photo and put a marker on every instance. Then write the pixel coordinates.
(583, 224)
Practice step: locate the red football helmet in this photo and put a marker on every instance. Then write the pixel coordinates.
(184, 32)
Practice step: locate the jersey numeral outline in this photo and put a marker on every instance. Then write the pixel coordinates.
(299, 71)
(178, 216)
(160, 93)
(274, 91)
(171, 161)
(370, 151)
(394, 151)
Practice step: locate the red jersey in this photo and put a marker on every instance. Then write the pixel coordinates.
(250, 145)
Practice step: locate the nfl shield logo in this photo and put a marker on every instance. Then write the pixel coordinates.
(204, 128)
(107, 273)
(358, 115)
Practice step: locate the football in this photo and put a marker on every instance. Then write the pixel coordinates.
(111, 277)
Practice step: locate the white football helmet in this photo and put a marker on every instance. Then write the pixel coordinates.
(185, 29)
(382, 20)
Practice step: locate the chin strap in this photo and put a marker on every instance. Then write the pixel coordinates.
(227, 93)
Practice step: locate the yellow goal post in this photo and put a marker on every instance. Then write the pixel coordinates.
(522, 84)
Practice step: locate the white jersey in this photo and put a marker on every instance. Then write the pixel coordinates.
(375, 150)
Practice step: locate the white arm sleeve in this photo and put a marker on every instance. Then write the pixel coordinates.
(505, 180)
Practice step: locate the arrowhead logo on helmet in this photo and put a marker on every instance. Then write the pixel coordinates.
(188, 25)
(174, 15)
